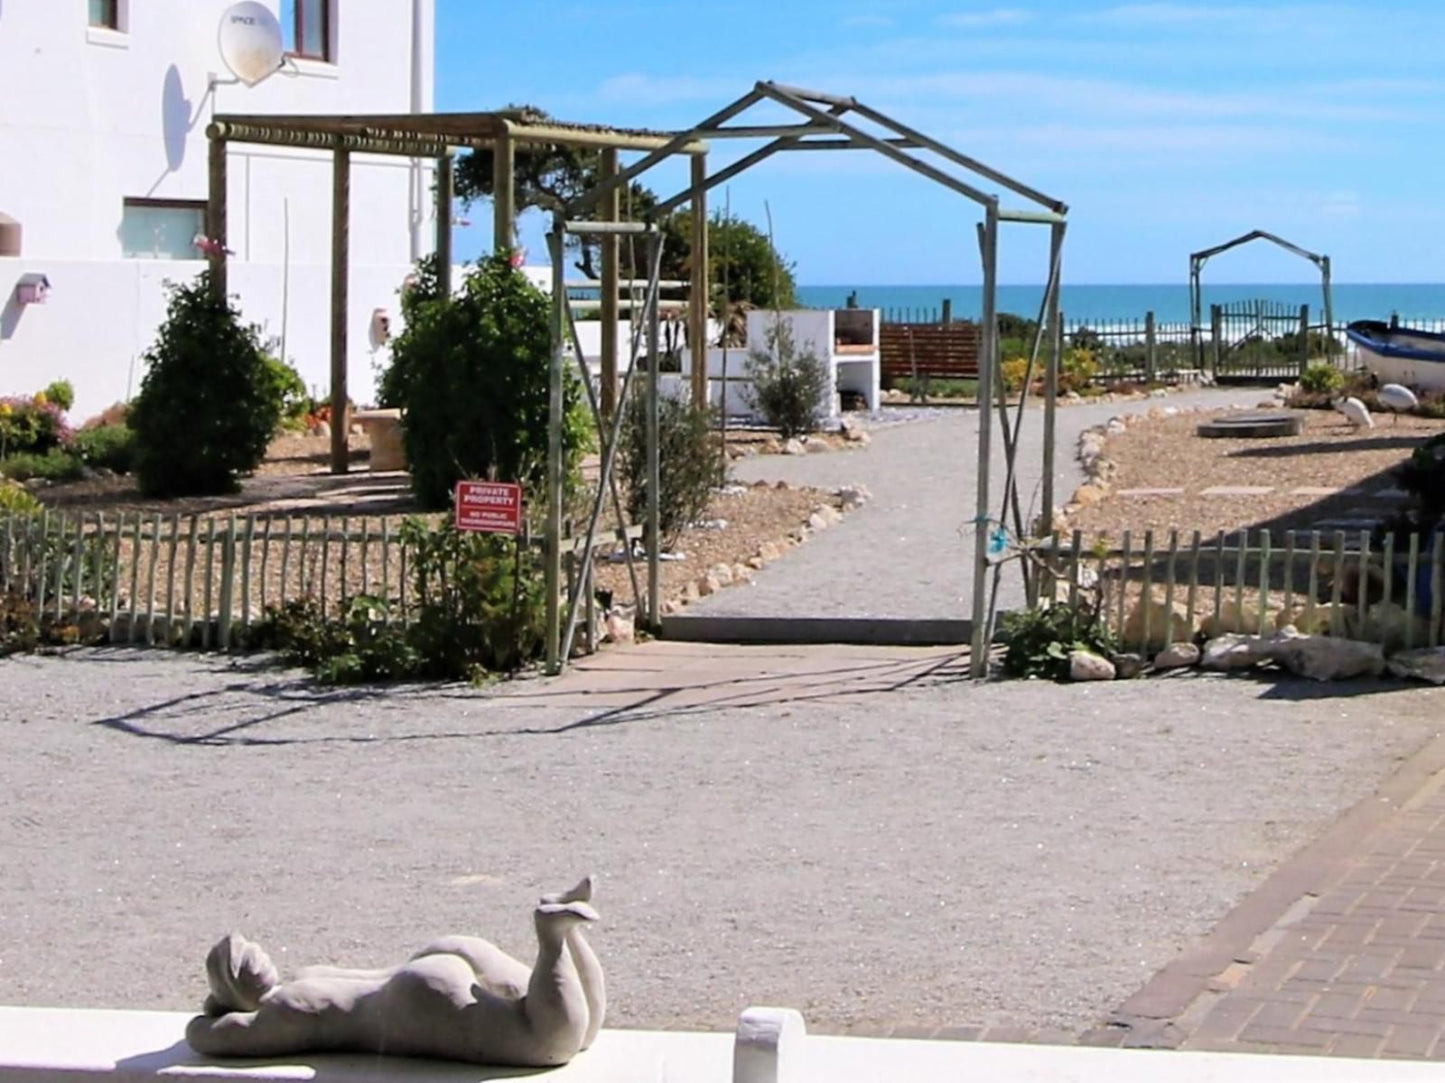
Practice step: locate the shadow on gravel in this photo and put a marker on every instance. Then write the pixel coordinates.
(252, 705)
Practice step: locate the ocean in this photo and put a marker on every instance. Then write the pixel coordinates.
(1169, 303)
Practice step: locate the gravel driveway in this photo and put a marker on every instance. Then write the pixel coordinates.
(909, 552)
(943, 854)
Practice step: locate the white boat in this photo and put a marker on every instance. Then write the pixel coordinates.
(1397, 355)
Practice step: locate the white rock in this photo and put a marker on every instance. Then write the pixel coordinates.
(1167, 624)
(829, 513)
(853, 496)
(742, 573)
(852, 430)
(817, 522)
(1088, 666)
(794, 446)
(815, 447)
(707, 585)
(1179, 656)
(620, 629)
(1426, 664)
(1116, 427)
(1233, 651)
(723, 573)
(769, 551)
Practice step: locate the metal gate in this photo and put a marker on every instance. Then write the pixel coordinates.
(1258, 340)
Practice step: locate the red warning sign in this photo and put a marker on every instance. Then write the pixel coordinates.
(489, 507)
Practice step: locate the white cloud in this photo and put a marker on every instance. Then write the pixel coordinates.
(973, 20)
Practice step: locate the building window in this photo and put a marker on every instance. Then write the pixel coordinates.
(307, 28)
(105, 14)
(162, 228)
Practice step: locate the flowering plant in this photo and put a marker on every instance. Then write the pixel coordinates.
(31, 425)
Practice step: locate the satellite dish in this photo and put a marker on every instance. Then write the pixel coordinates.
(251, 43)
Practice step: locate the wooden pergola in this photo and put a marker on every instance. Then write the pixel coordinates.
(437, 136)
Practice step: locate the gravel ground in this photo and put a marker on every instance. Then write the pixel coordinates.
(1328, 453)
(951, 854)
(909, 552)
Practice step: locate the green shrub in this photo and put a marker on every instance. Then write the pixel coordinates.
(207, 406)
(477, 609)
(15, 499)
(62, 394)
(1321, 378)
(288, 390)
(788, 384)
(31, 426)
(473, 376)
(1039, 640)
(688, 460)
(108, 447)
(55, 465)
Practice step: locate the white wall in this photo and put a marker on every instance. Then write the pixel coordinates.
(94, 117)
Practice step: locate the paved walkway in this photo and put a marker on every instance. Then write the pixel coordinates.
(1340, 952)
(909, 552)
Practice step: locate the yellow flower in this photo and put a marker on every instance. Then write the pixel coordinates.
(40, 399)
(5, 409)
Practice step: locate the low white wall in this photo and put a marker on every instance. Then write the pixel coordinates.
(102, 316)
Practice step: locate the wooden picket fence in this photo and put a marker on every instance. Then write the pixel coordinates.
(1335, 583)
(197, 580)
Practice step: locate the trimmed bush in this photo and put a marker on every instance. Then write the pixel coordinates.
(61, 393)
(293, 401)
(472, 374)
(108, 447)
(1321, 378)
(788, 383)
(688, 457)
(208, 405)
(58, 464)
(15, 499)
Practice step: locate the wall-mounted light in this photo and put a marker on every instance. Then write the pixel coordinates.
(380, 328)
(32, 289)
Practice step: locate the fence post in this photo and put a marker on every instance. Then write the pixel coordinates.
(947, 311)
(228, 584)
(1304, 337)
(1151, 356)
(1216, 336)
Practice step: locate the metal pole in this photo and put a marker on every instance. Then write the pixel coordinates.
(988, 362)
(340, 271)
(445, 184)
(654, 464)
(1051, 378)
(1151, 348)
(610, 211)
(1329, 308)
(556, 392)
(698, 291)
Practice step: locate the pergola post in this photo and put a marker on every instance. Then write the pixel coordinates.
(552, 569)
(216, 214)
(340, 272)
(504, 200)
(445, 186)
(698, 286)
(1329, 309)
(987, 366)
(1051, 376)
(610, 211)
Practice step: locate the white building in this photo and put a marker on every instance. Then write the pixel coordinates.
(103, 111)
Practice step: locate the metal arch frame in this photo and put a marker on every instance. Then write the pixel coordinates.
(825, 128)
(1197, 260)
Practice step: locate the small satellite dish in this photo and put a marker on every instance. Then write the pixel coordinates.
(251, 43)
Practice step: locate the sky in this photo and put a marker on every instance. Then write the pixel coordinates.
(1166, 127)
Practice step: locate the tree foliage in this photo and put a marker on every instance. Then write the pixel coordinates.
(209, 403)
(472, 373)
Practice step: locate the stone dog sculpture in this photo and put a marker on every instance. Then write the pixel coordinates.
(459, 998)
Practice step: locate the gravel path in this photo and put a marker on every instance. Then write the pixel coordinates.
(947, 854)
(909, 552)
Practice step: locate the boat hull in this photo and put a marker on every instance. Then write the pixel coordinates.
(1396, 355)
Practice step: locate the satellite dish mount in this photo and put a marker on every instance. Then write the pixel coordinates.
(251, 43)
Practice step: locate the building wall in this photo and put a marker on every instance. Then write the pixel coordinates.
(89, 118)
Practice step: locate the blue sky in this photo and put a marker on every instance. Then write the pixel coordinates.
(1165, 126)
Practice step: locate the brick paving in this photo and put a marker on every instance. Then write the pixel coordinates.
(1341, 952)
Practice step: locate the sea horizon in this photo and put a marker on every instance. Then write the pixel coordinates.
(1124, 301)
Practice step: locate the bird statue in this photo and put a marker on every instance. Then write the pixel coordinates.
(1398, 399)
(1355, 411)
(210, 247)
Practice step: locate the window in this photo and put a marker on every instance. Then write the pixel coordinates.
(162, 228)
(105, 14)
(306, 25)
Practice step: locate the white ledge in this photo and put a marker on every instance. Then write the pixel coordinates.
(44, 1045)
(111, 39)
